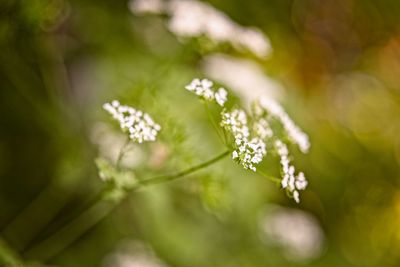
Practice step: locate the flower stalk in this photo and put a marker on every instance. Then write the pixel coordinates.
(105, 204)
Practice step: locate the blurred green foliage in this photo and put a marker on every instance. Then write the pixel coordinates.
(61, 60)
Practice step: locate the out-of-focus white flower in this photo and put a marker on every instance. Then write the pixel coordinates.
(204, 89)
(191, 18)
(296, 231)
(262, 129)
(254, 40)
(246, 78)
(132, 254)
(195, 18)
(293, 131)
(221, 96)
(247, 152)
(138, 124)
(147, 6)
(290, 181)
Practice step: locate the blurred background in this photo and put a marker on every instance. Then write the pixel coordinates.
(334, 65)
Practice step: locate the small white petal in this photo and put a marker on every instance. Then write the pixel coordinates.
(296, 196)
(235, 155)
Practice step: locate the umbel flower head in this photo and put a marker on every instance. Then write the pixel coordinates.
(139, 125)
(291, 182)
(251, 138)
(293, 131)
(204, 89)
(247, 152)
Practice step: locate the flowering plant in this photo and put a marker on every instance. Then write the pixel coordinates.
(250, 139)
(249, 134)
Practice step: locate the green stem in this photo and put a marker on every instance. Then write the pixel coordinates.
(216, 128)
(272, 178)
(122, 152)
(166, 178)
(99, 210)
(8, 257)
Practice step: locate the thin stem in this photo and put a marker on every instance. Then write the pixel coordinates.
(166, 178)
(99, 210)
(122, 152)
(210, 117)
(272, 178)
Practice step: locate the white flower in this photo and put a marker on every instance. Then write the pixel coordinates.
(290, 181)
(250, 137)
(293, 131)
(191, 19)
(235, 154)
(262, 129)
(301, 182)
(236, 123)
(297, 232)
(247, 152)
(204, 89)
(254, 40)
(296, 196)
(244, 77)
(139, 125)
(221, 96)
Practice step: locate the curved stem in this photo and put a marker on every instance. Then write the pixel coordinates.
(272, 178)
(166, 178)
(99, 210)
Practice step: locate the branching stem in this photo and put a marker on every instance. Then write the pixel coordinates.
(60, 240)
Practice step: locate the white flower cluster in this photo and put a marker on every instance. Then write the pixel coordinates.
(262, 129)
(247, 152)
(290, 181)
(236, 123)
(292, 130)
(139, 125)
(252, 136)
(203, 88)
(191, 18)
